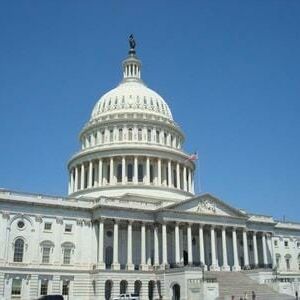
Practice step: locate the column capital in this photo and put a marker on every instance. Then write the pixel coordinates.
(201, 225)
(130, 222)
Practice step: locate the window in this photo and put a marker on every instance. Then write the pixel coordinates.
(108, 174)
(130, 134)
(21, 224)
(47, 226)
(157, 136)
(68, 228)
(140, 173)
(286, 243)
(298, 245)
(288, 265)
(165, 138)
(16, 287)
(151, 174)
(140, 135)
(67, 256)
(65, 288)
(46, 255)
(276, 243)
(19, 250)
(120, 134)
(119, 173)
(103, 137)
(149, 135)
(111, 135)
(123, 287)
(129, 172)
(44, 288)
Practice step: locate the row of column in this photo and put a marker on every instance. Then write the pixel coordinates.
(158, 172)
(134, 133)
(144, 265)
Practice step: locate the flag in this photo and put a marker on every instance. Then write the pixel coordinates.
(192, 157)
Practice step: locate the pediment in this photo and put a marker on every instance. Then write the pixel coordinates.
(208, 205)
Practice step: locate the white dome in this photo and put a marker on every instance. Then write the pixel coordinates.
(131, 96)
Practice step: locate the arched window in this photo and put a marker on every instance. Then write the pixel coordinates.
(123, 287)
(108, 289)
(111, 135)
(129, 172)
(130, 134)
(18, 250)
(176, 292)
(102, 137)
(165, 138)
(119, 173)
(137, 287)
(149, 135)
(151, 174)
(140, 134)
(151, 285)
(120, 134)
(140, 173)
(157, 136)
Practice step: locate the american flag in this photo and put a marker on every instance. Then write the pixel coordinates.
(192, 157)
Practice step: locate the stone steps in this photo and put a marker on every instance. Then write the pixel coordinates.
(237, 283)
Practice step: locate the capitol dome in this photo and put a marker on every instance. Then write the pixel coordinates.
(131, 96)
(131, 145)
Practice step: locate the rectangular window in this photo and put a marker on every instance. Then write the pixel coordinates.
(47, 226)
(120, 134)
(46, 255)
(65, 288)
(67, 256)
(68, 228)
(275, 243)
(140, 134)
(286, 243)
(44, 288)
(111, 135)
(157, 136)
(16, 287)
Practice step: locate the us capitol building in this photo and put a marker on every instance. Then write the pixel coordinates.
(131, 222)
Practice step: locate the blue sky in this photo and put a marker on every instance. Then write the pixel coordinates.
(228, 69)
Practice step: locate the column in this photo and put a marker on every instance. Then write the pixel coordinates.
(90, 179)
(71, 181)
(76, 179)
(272, 256)
(124, 178)
(156, 247)
(184, 179)
(189, 243)
(143, 265)
(225, 266)
(236, 266)
(116, 264)
(164, 245)
(177, 249)
(255, 249)
(159, 172)
(264, 245)
(130, 265)
(135, 170)
(245, 247)
(181, 245)
(82, 175)
(100, 164)
(111, 177)
(201, 246)
(149, 246)
(147, 170)
(170, 173)
(101, 264)
(214, 266)
(178, 175)
(190, 181)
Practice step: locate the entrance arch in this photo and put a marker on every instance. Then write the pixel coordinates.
(176, 292)
(108, 289)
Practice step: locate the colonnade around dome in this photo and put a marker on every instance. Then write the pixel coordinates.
(131, 170)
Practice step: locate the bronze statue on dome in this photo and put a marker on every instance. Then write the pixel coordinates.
(132, 42)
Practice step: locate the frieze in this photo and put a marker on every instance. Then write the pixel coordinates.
(206, 206)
